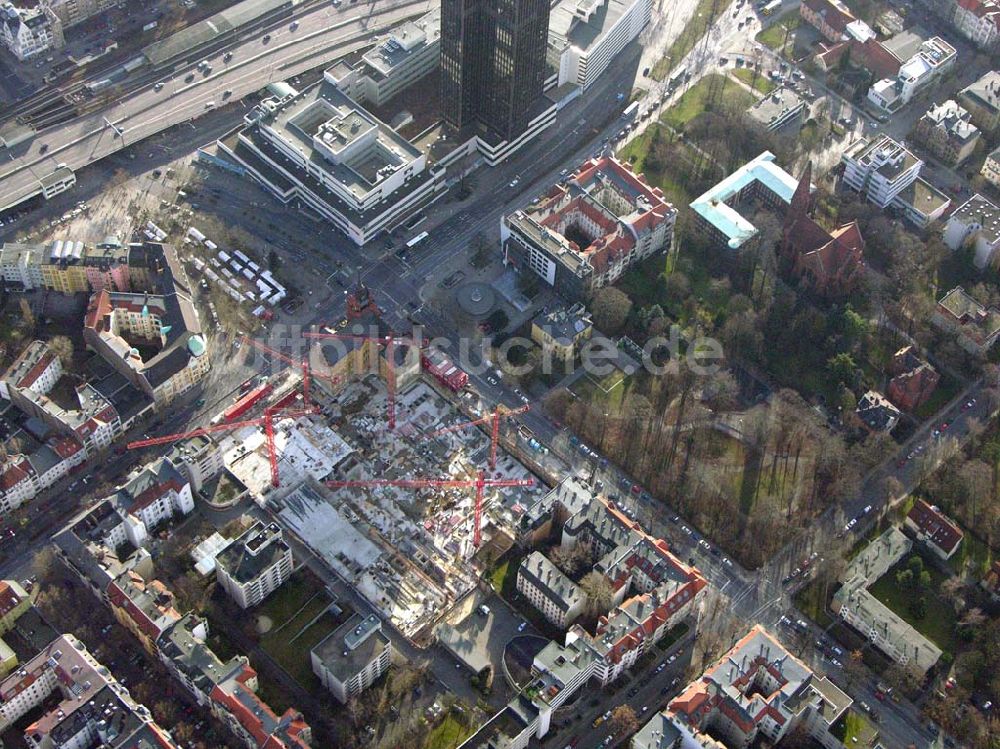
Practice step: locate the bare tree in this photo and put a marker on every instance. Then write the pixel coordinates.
(599, 593)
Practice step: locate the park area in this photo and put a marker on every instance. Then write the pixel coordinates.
(292, 621)
(691, 32)
(783, 35)
(912, 589)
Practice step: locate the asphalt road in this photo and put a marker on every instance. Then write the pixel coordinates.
(324, 33)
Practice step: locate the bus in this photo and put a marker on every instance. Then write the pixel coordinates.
(630, 111)
(676, 78)
(770, 7)
(416, 240)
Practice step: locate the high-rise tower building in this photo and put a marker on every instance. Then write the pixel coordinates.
(493, 64)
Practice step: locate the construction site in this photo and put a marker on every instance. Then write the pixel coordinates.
(376, 461)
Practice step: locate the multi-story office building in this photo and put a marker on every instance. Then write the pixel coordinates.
(760, 180)
(352, 657)
(585, 36)
(397, 61)
(982, 100)
(589, 229)
(28, 32)
(321, 147)
(254, 565)
(946, 130)
(493, 68)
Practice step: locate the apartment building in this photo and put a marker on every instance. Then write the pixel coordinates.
(558, 598)
(254, 565)
(323, 148)
(913, 381)
(653, 592)
(934, 529)
(563, 332)
(86, 416)
(873, 619)
(352, 657)
(982, 100)
(589, 229)
(72, 12)
(991, 168)
(830, 17)
(975, 223)
(199, 459)
(977, 20)
(976, 327)
(228, 689)
(946, 130)
(756, 691)
(22, 476)
(934, 58)
(29, 32)
(146, 609)
(158, 492)
(89, 707)
(888, 175)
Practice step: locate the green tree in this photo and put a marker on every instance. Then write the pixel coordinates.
(610, 308)
(842, 367)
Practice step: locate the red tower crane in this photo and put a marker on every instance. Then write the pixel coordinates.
(302, 364)
(390, 342)
(267, 421)
(498, 413)
(480, 482)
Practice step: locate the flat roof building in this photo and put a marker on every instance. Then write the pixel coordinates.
(760, 179)
(322, 147)
(254, 565)
(398, 60)
(781, 107)
(586, 35)
(352, 657)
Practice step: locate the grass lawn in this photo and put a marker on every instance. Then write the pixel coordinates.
(289, 598)
(694, 30)
(290, 647)
(608, 391)
(449, 734)
(635, 153)
(762, 84)
(853, 729)
(504, 575)
(774, 36)
(938, 625)
(694, 101)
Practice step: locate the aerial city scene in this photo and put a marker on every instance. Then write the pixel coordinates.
(499, 374)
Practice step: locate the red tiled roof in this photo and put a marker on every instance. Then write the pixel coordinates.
(9, 598)
(36, 371)
(17, 471)
(942, 532)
